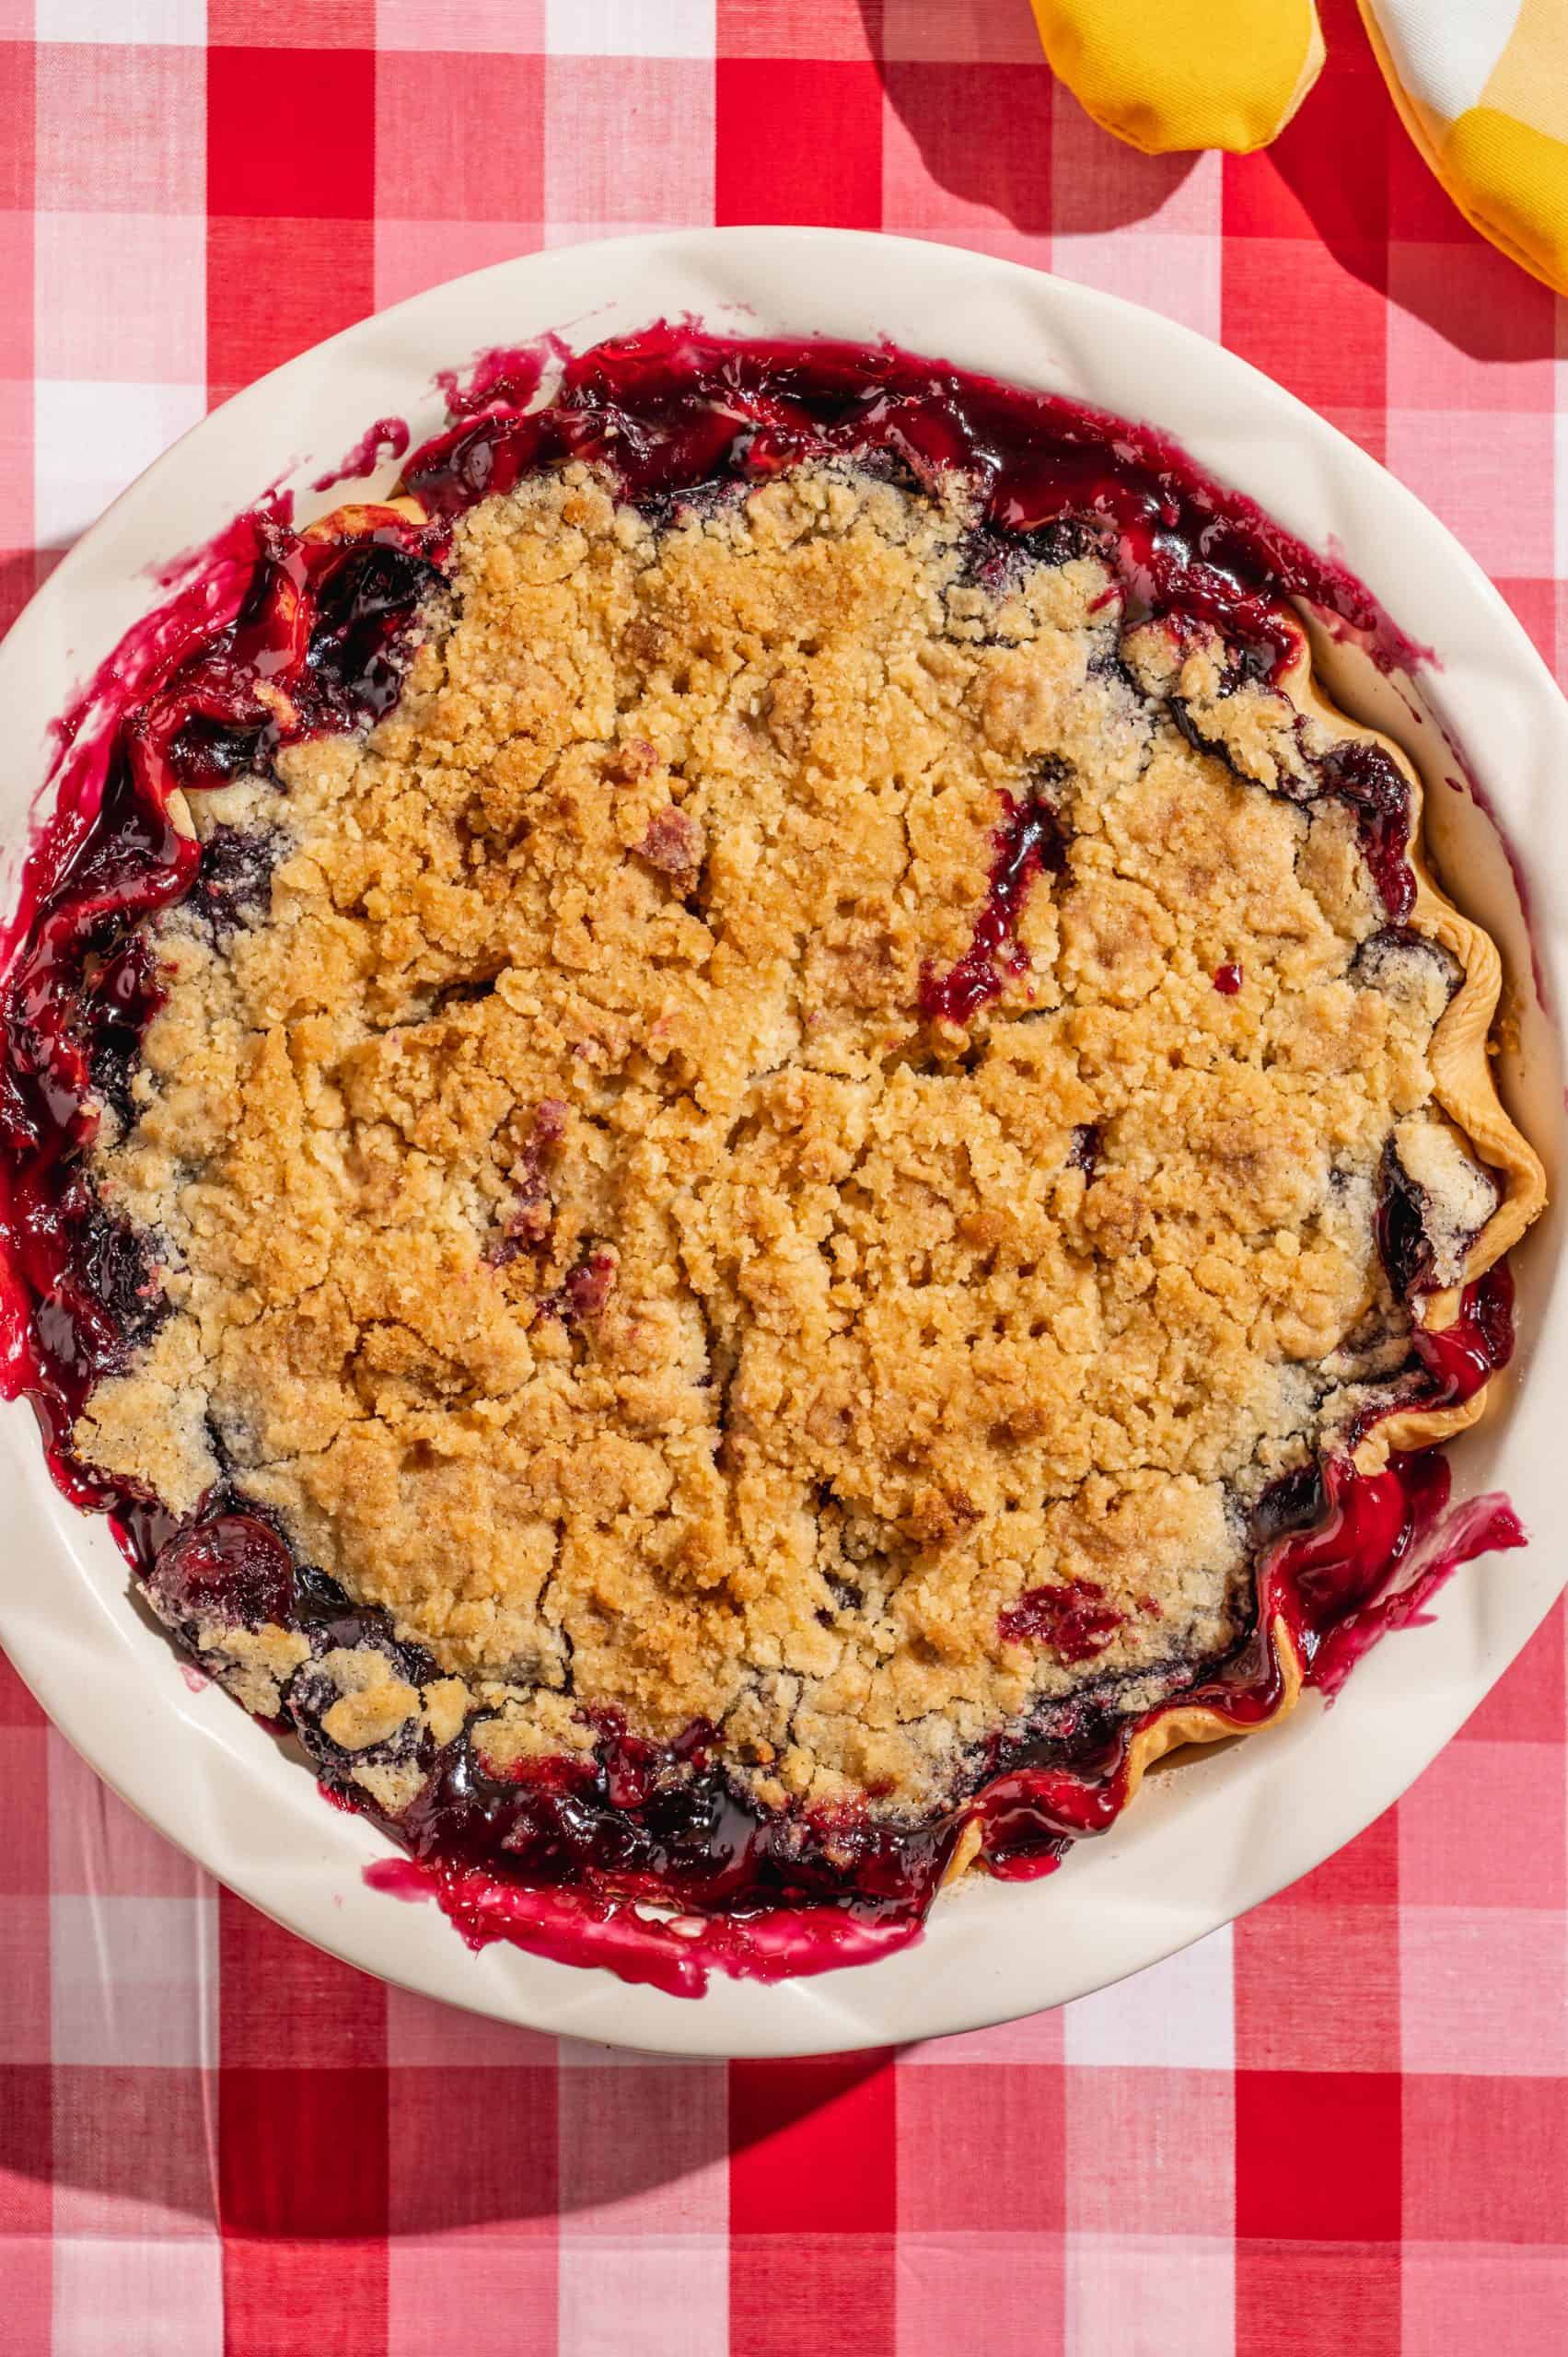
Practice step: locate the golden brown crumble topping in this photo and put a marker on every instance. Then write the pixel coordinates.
(581, 1239)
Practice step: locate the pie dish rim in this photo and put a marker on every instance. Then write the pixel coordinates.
(532, 1992)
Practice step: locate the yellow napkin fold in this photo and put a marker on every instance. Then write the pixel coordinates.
(1482, 88)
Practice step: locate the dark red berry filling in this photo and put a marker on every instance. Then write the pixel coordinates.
(233, 1569)
(1029, 844)
(1072, 1617)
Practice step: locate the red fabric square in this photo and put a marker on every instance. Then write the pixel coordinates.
(292, 24)
(270, 2284)
(257, 318)
(1318, 1989)
(18, 80)
(1318, 2155)
(17, 1708)
(24, 1780)
(812, 2146)
(26, 2017)
(1306, 2300)
(1001, 32)
(1486, 2159)
(826, 28)
(460, 138)
(291, 133)
(812, 2204)
(798, 142)
(1419, 204)
(472, 2148)
(1008, 170)
(1117, 2111)
(984, 2147)
(817, 2296)
(303, 2153)
(283, 2005)
(1315, 320)
(27, 2149)
(139, 2143)
(1465, 1840)
(302, 2191)
(1366, 1872)
(1529, 1701)
(1326, 176)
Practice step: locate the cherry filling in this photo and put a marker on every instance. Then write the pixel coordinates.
(1072, 1617)
(1370, 781)
(233, 1569)
(1030, 841)
(282, 634)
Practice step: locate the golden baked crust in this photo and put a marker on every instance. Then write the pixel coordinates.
(581, 1239)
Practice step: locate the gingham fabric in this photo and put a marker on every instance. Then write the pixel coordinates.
(1340, 2129)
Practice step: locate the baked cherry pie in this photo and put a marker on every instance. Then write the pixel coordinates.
(747, 1148)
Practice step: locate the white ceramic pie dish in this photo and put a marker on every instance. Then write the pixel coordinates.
(1230, 1827)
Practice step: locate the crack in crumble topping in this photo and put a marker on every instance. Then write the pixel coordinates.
(597, 1228)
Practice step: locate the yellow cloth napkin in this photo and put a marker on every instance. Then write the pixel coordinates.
(1166, 73)
(1482, 86)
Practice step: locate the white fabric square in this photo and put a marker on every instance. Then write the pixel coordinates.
(131, 2296)
(1178, 2015)
(663, 2296)
(630, 28)
(161, 23)
(90, 440)
(1173, 271)
(1145, 2295)
(83, 326)
(134, 1981)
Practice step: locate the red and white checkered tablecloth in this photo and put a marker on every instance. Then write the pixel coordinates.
(1340, 2128)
